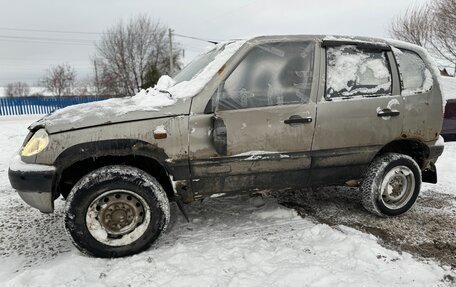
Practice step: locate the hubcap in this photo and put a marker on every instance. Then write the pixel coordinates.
(117, 217)
(397, 187)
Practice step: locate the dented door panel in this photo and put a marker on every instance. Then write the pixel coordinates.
(260, 146)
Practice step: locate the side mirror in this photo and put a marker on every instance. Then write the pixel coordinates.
(219, 138)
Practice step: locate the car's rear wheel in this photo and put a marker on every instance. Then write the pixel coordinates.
(116, 211)
(391, 185)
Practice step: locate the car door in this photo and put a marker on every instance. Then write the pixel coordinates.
(258, 127)
(360, 110)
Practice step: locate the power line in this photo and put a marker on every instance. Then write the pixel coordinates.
(46, 42)
(40, 60)
(36, 67)
(68, 41)
(93, 33)
(50, 31)
(46, 39)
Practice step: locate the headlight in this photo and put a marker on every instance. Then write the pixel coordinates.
(37, 143)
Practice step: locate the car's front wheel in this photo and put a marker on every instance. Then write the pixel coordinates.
(391, 184)
(116, 211)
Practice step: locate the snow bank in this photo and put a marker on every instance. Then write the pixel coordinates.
(33, 91)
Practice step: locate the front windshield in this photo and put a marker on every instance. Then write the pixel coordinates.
(197, 65)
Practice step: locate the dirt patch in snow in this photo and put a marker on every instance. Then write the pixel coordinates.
(427, 231)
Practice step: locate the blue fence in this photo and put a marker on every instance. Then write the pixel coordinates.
(40, 105)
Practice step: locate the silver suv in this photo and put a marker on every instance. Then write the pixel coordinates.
(266, 113)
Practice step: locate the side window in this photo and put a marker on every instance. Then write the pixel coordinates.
(352, 71)
(416, 78)
(272, 74)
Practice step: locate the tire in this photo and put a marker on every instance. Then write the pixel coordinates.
(391, 185)
(116, 211)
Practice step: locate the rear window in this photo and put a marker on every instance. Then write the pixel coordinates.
(415, 76)
(352, 71)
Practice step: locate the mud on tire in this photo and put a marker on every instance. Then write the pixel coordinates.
(116, 211)
(391, 184)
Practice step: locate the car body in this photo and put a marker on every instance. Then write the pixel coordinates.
(318, 111)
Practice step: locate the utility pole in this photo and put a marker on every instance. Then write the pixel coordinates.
(97, 83)
(171, 66)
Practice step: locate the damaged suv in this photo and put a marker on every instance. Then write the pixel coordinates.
(266, 113)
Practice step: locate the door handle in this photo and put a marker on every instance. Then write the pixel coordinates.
(388, 113)
(295, 119)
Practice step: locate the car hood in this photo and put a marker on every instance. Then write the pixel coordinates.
(111, 111)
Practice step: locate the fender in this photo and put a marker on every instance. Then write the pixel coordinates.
(179, 169)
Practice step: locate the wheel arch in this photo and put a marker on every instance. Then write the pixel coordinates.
(77, 161)
(414, 148)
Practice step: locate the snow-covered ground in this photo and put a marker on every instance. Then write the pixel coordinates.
(229, 242)
(446, 171)
(449, 87)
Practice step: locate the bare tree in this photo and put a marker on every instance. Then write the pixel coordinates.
(444, 29)
(17, 89)
(9, 90)
(431, 26)
(126, 53)
(106, 82)
(60, 79)
(414, 26)
(84, 87)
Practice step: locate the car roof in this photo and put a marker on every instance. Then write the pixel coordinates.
(321, 38)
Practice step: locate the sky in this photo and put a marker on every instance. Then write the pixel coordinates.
(26, 59)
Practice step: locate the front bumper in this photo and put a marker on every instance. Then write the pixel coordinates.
(33, 182)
